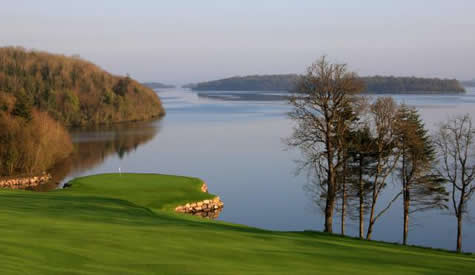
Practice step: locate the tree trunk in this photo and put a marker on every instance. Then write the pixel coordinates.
(330, 203)
(361, 190)
(371, 223)
(343, 213)
(405, 190)
(406, 220)
(371, 215)
(343, 199)
(459, 232)
(329, 215)
(459, 215)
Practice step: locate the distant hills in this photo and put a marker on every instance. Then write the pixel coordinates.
(373, 84)
(157, 85)
(469, 83)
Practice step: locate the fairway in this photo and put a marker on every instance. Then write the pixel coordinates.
(124, 224)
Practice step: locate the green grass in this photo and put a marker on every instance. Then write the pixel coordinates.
(111, 224)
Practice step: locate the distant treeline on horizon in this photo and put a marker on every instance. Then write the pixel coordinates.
(373, 84)
(469, 83)
(157, 85)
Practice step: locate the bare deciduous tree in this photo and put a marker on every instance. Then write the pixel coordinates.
(455, 141)
(324, 95)
(383, 112)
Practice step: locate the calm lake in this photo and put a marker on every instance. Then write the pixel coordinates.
(233, 141)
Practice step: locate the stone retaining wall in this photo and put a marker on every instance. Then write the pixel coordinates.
(207, 208)
(24, 182)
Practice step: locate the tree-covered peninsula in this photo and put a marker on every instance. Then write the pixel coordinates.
(283, 82)
(42, 94)
(373, 84)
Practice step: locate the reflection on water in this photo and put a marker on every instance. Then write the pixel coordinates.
(244, 95)
(94, 145)
(235, 146)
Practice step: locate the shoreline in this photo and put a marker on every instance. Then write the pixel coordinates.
(210, 208)
(25, 182)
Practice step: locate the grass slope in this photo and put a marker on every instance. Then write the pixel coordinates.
(112, 224)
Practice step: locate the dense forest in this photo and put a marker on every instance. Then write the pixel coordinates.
(73, 91)
(157, 85)
(42, 93)
(374, 84)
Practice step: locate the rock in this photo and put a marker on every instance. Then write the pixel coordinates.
(209, 209)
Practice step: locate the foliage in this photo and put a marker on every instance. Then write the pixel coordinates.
(29, 144)
(73, 91)
(37, 88)
(94, 229)
(422, 188)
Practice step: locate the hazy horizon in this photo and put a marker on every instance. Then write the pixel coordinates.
(192, 41)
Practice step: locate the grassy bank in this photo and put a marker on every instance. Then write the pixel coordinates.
(122, 224)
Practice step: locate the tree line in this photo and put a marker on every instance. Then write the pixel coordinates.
(372, 84)
(392, 84)
(353, 147)
(157, 85)
(42, 93)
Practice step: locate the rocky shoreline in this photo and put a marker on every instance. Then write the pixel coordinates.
(24, 182)
(207, 208)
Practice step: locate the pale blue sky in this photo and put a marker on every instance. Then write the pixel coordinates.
(186, 41)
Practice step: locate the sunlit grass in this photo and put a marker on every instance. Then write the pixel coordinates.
(122, 224)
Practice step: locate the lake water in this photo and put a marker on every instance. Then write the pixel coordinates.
(234, 143)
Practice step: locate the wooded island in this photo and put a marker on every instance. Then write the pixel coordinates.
(373, 84)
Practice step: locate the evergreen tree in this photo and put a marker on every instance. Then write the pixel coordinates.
(422, 189)
(23, 106)
(361, 159)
